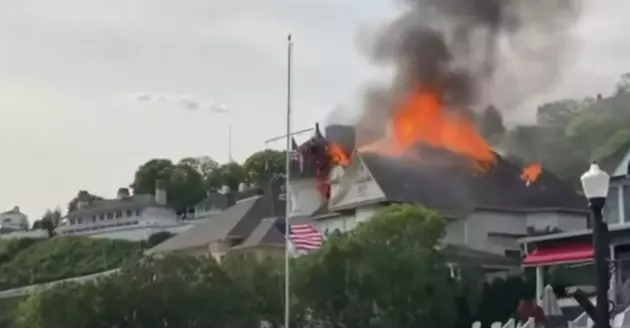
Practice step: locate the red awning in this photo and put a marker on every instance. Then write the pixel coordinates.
(559, 254)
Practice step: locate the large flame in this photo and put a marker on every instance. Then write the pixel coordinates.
(531, 173)
(337, 155)
(422, 119)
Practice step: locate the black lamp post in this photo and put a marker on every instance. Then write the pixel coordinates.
(595, 183)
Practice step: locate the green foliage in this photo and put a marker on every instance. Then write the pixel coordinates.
(49, 221)
(231, 174)
(72, 205)
(154, 293)
(579, 130)
(184, 184)
(31, 261)
(386, 273)
(262, 166)
(263, 283)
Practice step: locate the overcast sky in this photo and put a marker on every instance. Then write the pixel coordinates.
(68, 68)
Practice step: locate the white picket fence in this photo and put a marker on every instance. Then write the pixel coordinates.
(509, 324)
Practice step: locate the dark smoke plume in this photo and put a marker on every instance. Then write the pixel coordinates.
(476, 52)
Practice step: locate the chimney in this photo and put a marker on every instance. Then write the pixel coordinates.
(83, 199)
(16, 209)
(160, 192)
(122, 193)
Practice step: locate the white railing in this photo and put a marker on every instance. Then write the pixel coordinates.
(509, 324)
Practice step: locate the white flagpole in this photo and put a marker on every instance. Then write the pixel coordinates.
(287, 243)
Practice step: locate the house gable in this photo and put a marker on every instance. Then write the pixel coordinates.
(353, 186)
(623, 167)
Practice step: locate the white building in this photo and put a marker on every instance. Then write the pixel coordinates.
(125, 217)
(13, 220)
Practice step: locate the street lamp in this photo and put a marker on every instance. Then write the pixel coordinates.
(595, 183)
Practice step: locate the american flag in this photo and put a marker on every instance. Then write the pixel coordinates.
(305, 237)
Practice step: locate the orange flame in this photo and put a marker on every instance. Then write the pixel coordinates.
(531, 173)
(422, 119)
(338, 155)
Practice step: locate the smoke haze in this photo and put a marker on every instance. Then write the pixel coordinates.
(474, 52)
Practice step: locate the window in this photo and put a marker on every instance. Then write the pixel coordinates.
(72, 221)
(110, 216)
(626, 203)
(118, 214)
(138, 212)
(94, 218)
(611, 210)
(129, 213)
(102, 217)
(80, 220)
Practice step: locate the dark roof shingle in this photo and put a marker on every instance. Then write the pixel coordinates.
(451, 184)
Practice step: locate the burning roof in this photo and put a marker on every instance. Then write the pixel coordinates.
(449, 184)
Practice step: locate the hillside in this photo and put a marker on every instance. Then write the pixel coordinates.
(32, 261)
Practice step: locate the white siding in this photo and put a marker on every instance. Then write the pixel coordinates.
(503, 225)
(305, 198)
(355, 187)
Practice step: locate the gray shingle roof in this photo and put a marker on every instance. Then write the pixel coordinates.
(450, 184)
(265, 234)
(237, 221)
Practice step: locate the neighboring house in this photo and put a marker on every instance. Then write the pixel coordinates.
(486, 212)
(241, 226)
(574, 249)
(617, 208)
(217, 202)
(125, 217)
(13, 220)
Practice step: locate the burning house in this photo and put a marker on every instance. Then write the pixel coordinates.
(488, 208)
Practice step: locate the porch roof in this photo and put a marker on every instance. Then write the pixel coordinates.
(618, 229)
(559, 253)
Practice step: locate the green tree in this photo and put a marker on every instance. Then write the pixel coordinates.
(49, 221)
(230, 174)
(386, 273)
(184, 184)
(204, 165)
(173, 291)
(262, 166)
(263, 281)
(85, 196)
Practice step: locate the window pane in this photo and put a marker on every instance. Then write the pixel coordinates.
(611, 210)
(626, 203)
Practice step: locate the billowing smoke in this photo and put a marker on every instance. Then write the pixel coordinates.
(474, 52)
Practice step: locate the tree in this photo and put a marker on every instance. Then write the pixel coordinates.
(204, 165)
(49, 221)
(229, 174)
(262, 166)
(263, 281)
(184, 184)
(386, 273)
(491, 124)
(173, 291)
(83, 195)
